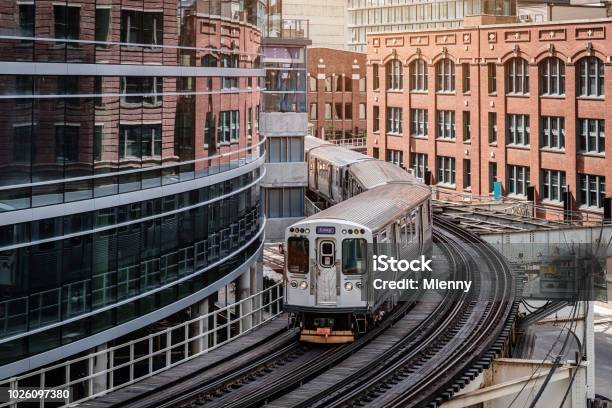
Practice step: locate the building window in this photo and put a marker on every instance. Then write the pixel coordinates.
(553, 182)
(518, 130)
(375, 77)
(147, 90)
(348, 111)
(592, 190)
(465, 75)
(249, 123)
(338, 81)
(492, 127)
(418, 75)
(284, 149)
(22, 143)
(98, 145)
(590, 77)
(376, 122)
(26, 20)
(229, 61)
(375, 152)
(209, 129)
(591, 136)
(418, 122)
(67, 22)
(446, 170)
(348, 83)
(492, 175)
(552, 76)
(142, 27)
(229, 126)
(362, 85)
(66, 143)
(328, 84)
(394, 120)
(467, 173)
(467, 126)
(492, 78)
(313, 111)
(396, 157)
(418, 163)
(138, 141)
(446, 124)
(445, 74)
(395, 75)
(284, 202)
(103, 15)
(517, 76)
(553, 132)
(312, 83)
(518, 180)
(338, 111)
(328, 111)
(362, 111)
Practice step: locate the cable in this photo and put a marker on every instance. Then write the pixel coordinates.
(539, 365)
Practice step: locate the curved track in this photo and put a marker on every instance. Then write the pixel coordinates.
(447, 349)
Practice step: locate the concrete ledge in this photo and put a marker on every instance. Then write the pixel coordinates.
(285, 175)
(283, 124)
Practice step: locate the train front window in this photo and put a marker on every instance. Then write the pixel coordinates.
(297, 255)
(354, 253)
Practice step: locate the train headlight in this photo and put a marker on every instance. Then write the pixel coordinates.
(307, 231)
(358, 284)
(303, 285)
(348, 286)
(294, 284)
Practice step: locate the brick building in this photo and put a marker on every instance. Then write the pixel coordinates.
(522, 104)
(337, 93)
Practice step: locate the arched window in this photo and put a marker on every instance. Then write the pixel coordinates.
(395, 76)
(418, 75)
(445, 76)
(590, 77)
(517, 76)
(552, 77)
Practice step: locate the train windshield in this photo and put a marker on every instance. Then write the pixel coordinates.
(297, 255)
(354, 253)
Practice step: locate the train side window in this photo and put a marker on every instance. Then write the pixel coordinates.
(354, 256)
(405, 236)
(297, 255)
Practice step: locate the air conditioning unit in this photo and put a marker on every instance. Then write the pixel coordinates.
(524, 18)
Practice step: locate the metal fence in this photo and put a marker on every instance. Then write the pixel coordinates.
(108, 369)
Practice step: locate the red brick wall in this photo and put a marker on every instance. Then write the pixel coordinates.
(326, 62)
(478, 46)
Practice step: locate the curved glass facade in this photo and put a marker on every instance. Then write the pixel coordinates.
(118, 120)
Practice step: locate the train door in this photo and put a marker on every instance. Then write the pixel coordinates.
(316, 175)
(330, 182)
(327, 275)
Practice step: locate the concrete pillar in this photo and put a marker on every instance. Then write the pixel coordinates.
(200, 309)
(243, 291)
(589, 341)
(100, 382)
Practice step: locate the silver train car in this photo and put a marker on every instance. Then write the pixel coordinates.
(328, 255)
(336, 173)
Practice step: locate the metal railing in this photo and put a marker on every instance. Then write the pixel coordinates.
(117, 366)
(521, 208)
(357, 142)
(289, 28)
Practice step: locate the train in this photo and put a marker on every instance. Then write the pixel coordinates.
(375, 208)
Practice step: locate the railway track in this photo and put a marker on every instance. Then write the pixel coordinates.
(429, 366)
(447, 349)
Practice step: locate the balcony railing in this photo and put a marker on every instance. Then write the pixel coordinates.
(292, 29)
